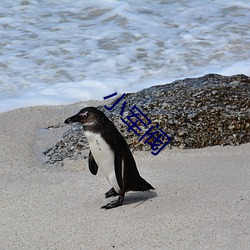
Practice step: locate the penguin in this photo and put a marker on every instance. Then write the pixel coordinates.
(110, 152)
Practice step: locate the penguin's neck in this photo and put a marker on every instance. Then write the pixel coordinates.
(92, 128)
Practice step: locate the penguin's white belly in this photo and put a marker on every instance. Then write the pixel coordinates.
(104, 157)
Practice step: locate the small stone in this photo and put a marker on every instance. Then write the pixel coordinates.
(181, 133)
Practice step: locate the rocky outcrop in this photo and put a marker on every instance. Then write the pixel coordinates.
(194, 113)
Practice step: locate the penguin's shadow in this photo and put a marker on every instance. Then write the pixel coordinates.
(137, 198)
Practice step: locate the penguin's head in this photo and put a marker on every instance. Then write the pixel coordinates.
(89, 116)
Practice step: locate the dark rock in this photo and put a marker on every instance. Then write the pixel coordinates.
(194, 112)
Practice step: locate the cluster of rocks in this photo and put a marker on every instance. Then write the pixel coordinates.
(194, 113)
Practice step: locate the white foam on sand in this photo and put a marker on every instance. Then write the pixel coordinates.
(64, 52)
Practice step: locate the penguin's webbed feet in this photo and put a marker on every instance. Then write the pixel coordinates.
(113, 204)
(111, 193)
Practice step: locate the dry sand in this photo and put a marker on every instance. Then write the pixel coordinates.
(201, 201)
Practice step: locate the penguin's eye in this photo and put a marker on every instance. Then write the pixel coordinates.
(84, 115)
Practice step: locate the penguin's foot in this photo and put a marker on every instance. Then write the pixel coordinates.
(113, 204)
(111, 193)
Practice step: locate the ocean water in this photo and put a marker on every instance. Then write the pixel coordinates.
(61, 52)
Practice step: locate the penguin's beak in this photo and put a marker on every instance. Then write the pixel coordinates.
(74, 118)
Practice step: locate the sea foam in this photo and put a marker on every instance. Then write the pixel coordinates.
(63, 52)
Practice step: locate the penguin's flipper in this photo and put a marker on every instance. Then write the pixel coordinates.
(111, 193)
(93, 167)
(118, 166)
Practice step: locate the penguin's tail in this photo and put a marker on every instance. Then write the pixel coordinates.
(141, 185)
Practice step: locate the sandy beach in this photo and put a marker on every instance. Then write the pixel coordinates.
(201, 198)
